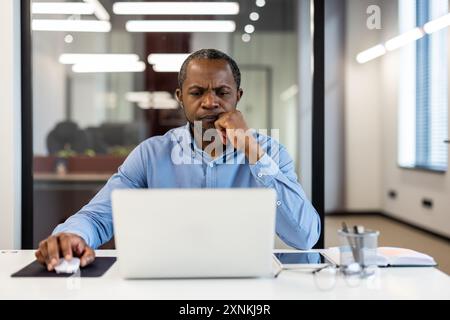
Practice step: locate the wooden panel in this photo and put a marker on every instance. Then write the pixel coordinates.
(162, 121)
(53, 205)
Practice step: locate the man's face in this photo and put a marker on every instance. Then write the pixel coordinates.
(208, 91)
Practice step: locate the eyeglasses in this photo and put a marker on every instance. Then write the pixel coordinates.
(326, 277)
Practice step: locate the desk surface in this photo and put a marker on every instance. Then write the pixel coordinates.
(394, 283)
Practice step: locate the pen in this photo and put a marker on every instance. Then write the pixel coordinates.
(359, 229)
(350, 242)
(359, 241)
(344, 227)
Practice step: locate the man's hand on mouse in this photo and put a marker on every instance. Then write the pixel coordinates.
(64, 245)
(232, 125)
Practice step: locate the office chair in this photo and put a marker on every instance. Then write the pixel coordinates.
(67, 134)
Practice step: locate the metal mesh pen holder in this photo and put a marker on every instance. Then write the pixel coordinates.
(358, 252)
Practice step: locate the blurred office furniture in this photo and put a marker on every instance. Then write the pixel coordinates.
(101, 140)
(106, 137)
(58, 196)
(90, 157)
(161, 121)
(67, 135)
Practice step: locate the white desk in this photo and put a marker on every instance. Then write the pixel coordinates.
(396, 283)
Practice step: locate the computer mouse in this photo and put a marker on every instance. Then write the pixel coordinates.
(68, 266)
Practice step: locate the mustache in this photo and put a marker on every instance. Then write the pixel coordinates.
(211, 115)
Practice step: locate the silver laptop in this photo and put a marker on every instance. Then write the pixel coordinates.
(193, 233)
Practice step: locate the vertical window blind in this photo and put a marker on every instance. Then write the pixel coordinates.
(424, 114)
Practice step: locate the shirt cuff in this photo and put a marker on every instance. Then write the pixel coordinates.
(64, 229)
(265, 170)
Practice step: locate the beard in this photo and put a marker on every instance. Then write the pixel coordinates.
(205, 123)
(208, 123)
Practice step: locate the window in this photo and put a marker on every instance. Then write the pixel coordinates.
(423, 118)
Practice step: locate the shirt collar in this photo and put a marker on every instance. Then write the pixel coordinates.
(185, 139)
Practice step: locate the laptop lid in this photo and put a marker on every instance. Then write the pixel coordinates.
(173, 233)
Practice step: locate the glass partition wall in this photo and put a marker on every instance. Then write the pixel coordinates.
(105, 73)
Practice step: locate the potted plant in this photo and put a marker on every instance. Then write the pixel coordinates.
(62, 158)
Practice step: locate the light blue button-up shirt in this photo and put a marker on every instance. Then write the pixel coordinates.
(175, 161)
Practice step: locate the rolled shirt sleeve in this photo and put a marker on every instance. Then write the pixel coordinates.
(94, 221)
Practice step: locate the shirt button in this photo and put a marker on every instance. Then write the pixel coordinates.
(211, 165)
(260, 175)
(278, 203)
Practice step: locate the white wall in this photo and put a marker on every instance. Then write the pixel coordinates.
(371, 131)
(363, 126)
(412, 186)
(10, 105)
(49, 87)
(277, 50)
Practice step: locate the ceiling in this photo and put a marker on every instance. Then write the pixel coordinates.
(276, 15)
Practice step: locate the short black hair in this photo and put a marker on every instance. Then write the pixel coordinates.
(211, 54)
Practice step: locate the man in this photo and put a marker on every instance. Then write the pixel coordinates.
(209, 92)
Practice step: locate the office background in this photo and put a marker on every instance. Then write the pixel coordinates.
(365, 170)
